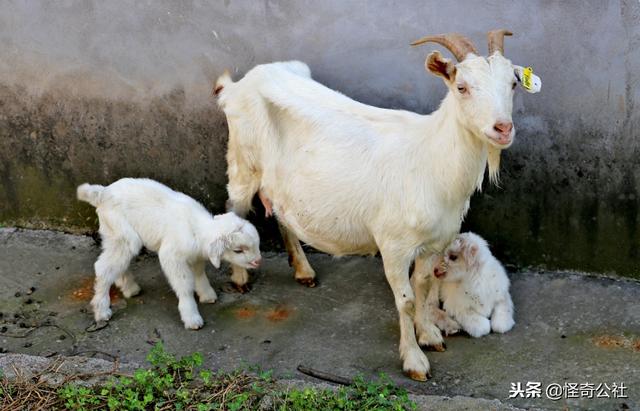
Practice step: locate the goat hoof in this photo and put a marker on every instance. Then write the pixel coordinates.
(133, 292)
(238, 288)
(308, 282)
(440, 347)
(96, 326)
(449, 333)
(209, 299)
(436, 347)
(193, 322)
(244, 288)
(417, 375)
(415, 364)
(194, 327)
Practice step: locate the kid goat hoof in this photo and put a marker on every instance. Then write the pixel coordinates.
(195, 325)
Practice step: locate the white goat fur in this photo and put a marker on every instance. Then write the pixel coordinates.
(474, 287)
(348, 178)
(139, 212)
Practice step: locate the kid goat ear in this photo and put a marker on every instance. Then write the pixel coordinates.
(216, 250)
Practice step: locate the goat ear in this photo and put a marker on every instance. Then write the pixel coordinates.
(471, 253)
(440, 66)
(216, 250)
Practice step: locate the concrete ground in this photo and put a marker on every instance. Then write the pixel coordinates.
(571, 328)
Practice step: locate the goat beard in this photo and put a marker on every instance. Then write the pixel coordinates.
(493, 162)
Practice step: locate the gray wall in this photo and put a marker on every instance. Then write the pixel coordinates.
(97, 90)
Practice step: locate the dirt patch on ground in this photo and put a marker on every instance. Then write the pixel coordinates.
(617, 341)
(276, 314)
(85, 291)
(279, 313)
(244, 313)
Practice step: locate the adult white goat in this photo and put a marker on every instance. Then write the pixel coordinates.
(347, 178)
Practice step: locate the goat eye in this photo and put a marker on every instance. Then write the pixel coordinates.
(238, 251)
(462, 89)
(453, 257)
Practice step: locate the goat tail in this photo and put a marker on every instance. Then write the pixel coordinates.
(221, 82)
(90, 193)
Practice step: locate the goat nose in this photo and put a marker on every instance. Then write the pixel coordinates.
(257, 261)
(503, 127)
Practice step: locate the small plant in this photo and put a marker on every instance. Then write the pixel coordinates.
(180, 384)
(170, 383)
(361, 395)
(173, 383)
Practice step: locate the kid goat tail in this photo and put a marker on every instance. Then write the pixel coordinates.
(90, 193)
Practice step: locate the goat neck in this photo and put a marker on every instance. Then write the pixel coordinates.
(454, 152)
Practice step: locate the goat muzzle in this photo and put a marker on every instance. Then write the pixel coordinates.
(256, 263)
(503, 127)
(441, 269)
(456, 43)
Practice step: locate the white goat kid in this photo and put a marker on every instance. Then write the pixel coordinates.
(347, 178)
(139, 212)
(474, 287)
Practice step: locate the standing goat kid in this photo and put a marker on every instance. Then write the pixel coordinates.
(137, 212)
(347, 178)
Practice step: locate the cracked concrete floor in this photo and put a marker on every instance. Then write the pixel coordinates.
(570, 328)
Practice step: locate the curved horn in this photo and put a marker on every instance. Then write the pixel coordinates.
(456, 43)
(496, 40)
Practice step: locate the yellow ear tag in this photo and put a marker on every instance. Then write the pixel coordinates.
(529, 81)
(527, 75)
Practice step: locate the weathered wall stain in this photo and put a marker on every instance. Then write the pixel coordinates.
(53, 142)
(95, 91)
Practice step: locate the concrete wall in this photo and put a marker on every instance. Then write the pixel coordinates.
(97, 90)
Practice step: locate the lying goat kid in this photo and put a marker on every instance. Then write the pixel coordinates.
(474, 287)
(139, 212)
